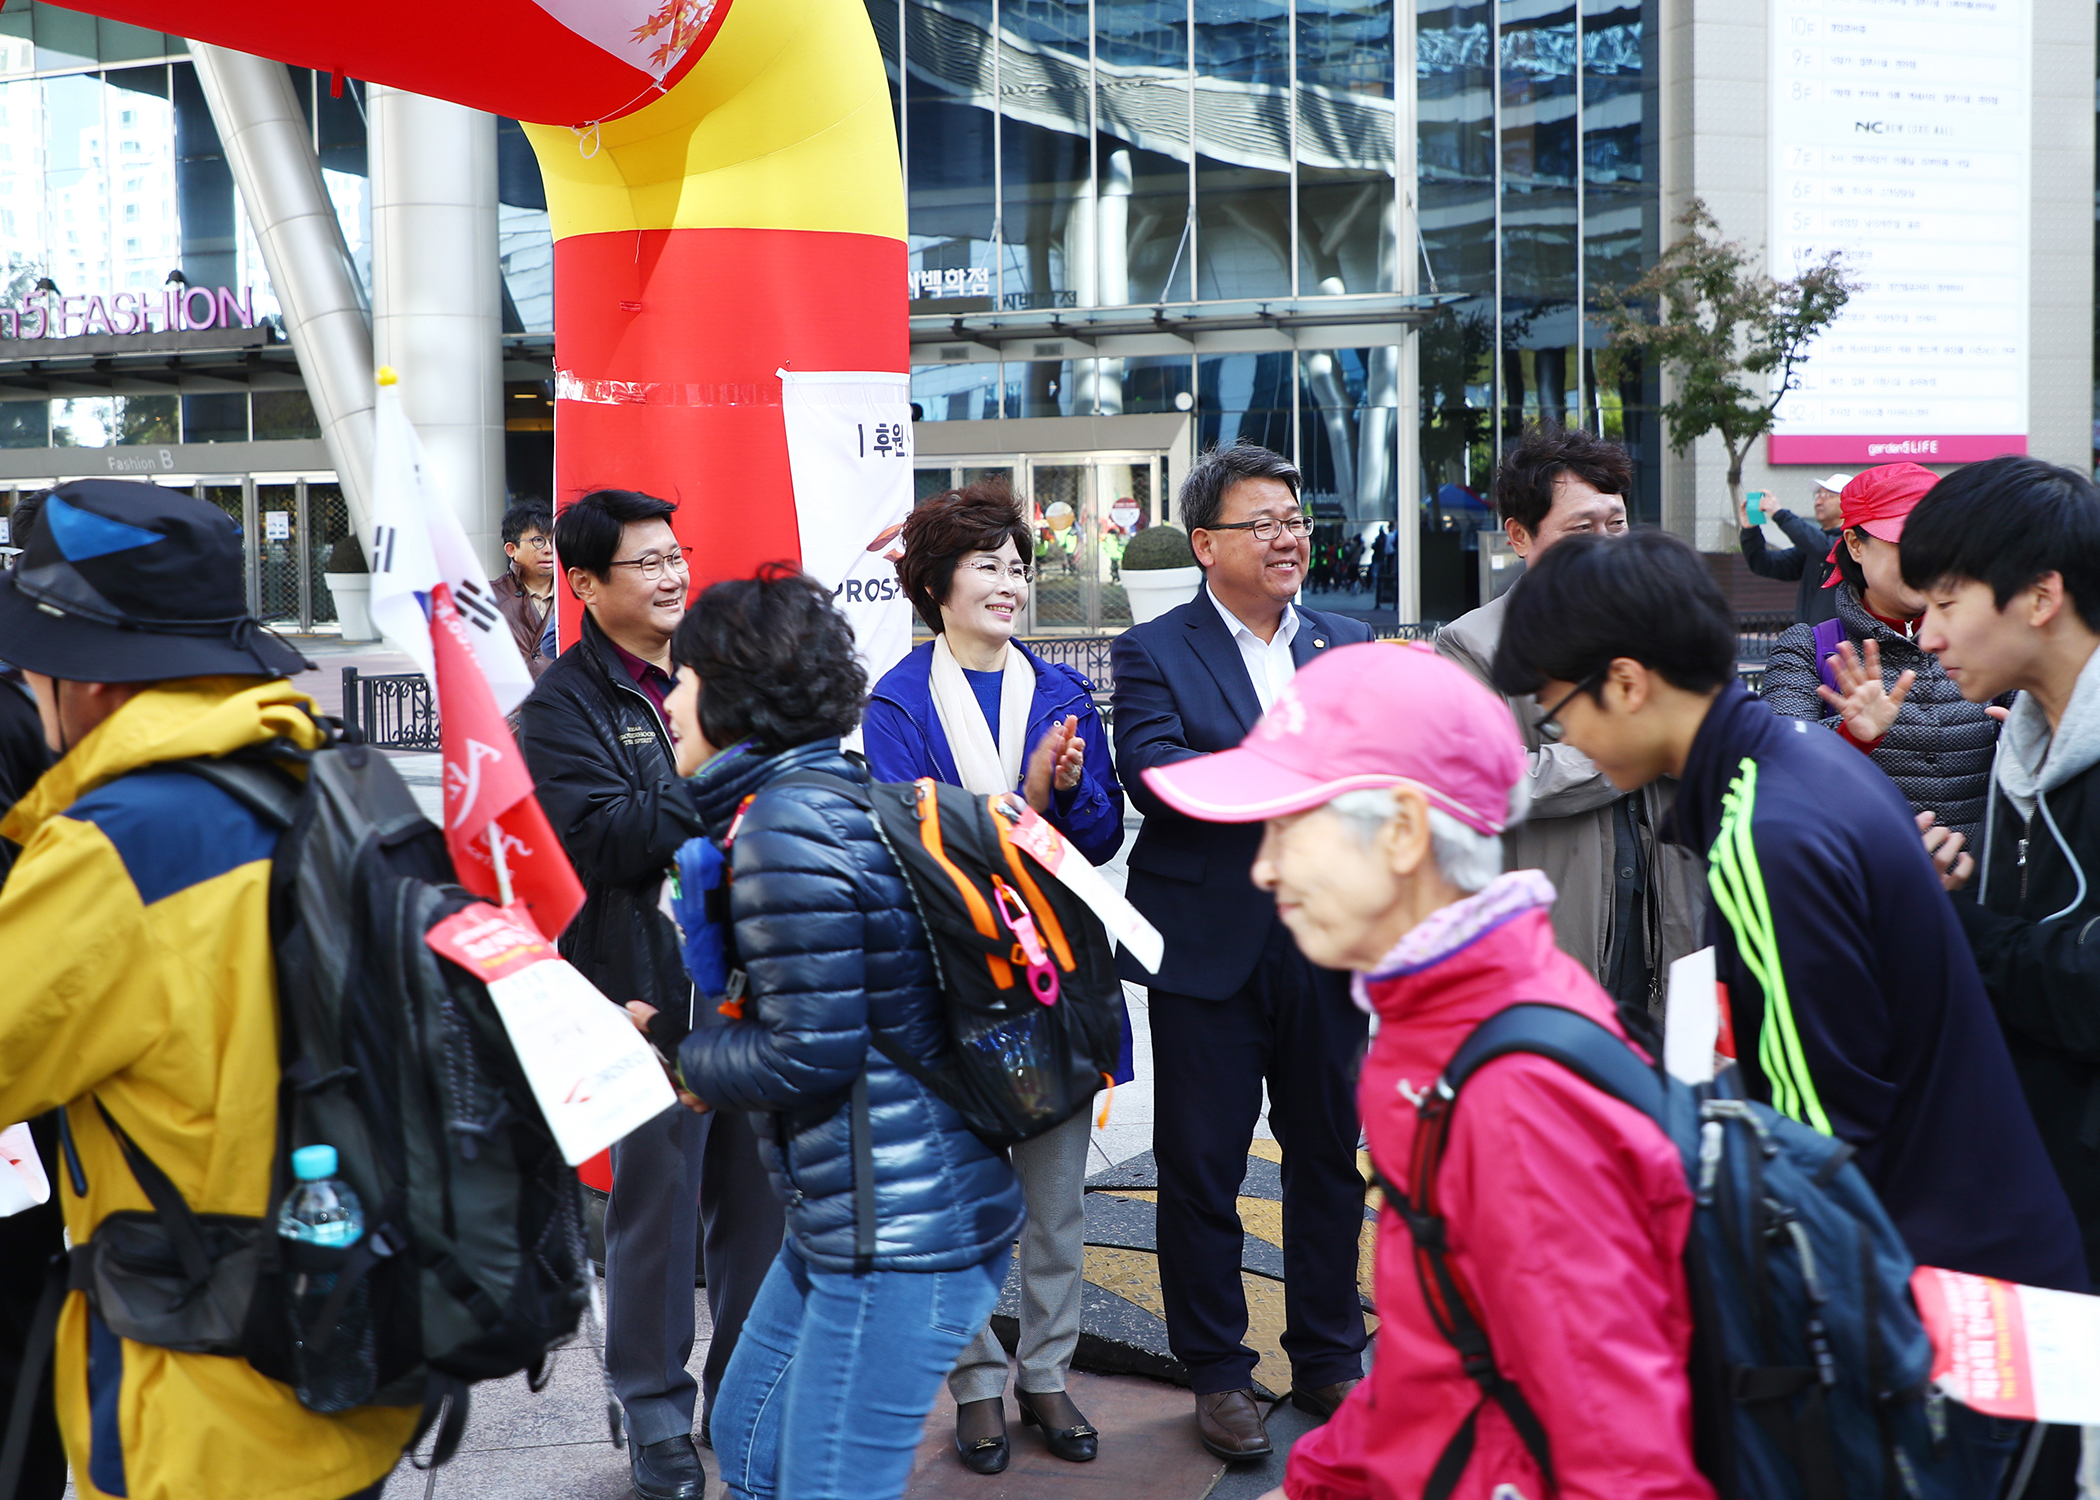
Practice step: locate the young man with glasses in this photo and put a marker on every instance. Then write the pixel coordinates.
(1235, 1004)
(1627, 904)
(596, 738)
(1854, 1003)
(525, 590)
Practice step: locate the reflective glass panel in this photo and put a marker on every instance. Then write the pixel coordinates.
(1142, 106)
(952, 202)
(1537, 68)
(1047, 213)
(1243, 141)
(1347, 206)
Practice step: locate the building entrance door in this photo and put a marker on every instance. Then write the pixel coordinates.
(1082, 508)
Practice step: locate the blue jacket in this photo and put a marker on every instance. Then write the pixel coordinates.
(1855, 1001)
(831, 945)
(1182, 690)
(903, 740)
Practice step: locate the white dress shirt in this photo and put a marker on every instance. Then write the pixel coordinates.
(1269, 662)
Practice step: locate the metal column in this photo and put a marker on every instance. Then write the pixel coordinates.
(437, 297)
(270, 149)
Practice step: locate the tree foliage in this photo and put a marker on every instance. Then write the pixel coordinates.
(1731, 338)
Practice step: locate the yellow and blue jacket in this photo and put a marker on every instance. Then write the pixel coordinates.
(136, 942)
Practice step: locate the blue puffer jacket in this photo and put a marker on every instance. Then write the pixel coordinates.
(831, 945)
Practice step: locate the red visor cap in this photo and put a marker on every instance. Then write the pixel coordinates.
(1879, 501)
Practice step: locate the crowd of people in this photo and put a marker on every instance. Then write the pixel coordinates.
(1355, 854)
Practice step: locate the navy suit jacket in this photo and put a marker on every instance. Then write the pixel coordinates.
(1182, 690)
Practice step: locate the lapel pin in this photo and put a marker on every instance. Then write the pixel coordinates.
(1317, 642)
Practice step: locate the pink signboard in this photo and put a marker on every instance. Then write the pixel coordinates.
(1888, 448)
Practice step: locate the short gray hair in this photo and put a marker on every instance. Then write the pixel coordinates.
(1465, 856)
(1202, 498)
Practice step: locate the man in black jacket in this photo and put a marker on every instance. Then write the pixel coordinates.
(1808, 559)
(2007, 555)
(1856, 1007)
(598, 744)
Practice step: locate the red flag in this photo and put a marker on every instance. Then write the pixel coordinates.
(486, 784)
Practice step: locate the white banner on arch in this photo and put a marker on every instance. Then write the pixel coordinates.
(849, 453)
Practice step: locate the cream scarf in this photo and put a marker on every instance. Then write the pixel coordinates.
(985, 768)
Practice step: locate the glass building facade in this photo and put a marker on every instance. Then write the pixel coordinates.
(1200, 153)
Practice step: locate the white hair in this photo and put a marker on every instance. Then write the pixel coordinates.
(1466, 857)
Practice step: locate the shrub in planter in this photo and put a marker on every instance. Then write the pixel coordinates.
(1159, 546)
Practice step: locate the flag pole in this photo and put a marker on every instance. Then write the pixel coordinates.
(502, 866)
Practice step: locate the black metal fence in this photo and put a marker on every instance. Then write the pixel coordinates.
(396, 713)
(391, 712)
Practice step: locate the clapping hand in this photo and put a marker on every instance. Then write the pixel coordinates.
(1058, 757)
(1867, 706)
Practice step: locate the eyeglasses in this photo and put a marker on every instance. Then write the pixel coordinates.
(1549, 728)
(1265, 528)
(651, 565)
(1018, 572)
(537, 542)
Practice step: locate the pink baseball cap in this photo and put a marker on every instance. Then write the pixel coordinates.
(1364, 716)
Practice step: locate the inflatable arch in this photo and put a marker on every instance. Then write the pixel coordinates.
(726, 200)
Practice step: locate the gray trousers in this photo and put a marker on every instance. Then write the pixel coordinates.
(661, 1172)
(1052, 1170)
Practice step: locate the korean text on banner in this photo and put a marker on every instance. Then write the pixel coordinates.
(593, 1075)
(849, 452)
(2010, 1350)
(417, 544)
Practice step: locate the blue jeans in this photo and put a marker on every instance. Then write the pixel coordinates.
(834, 1374)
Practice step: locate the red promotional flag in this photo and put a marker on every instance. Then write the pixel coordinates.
(487, 788)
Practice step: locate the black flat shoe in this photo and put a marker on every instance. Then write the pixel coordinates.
(1073, 1439)
(980, 1435)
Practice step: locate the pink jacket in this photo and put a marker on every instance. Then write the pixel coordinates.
(1567, 1213)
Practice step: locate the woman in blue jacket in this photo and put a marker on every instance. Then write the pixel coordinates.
(976, 708)
(842, 1353)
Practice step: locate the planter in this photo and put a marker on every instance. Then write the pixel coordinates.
(352, 593)
(1154, 591)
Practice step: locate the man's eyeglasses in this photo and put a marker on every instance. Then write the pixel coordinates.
(651, 565)
(1549, 728)
(985, 568)
(537, 542)
(1265, 528)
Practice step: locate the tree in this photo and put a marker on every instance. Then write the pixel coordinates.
(1715, 323)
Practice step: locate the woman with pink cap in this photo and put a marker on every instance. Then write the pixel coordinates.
(1863, 674)
(1386, 776)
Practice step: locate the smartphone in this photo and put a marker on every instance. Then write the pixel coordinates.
(1754, 507)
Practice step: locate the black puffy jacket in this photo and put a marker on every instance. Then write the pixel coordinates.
(602, 765)
(831, 946)
(1938, 752)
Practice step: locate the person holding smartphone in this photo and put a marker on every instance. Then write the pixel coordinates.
(1806, 559)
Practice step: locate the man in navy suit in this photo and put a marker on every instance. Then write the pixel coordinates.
(1234, 1003)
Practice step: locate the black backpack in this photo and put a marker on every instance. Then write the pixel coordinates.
(472, 1265)
(1017, 1066)
(1810, 1370)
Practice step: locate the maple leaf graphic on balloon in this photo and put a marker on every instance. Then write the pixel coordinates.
(680, 23)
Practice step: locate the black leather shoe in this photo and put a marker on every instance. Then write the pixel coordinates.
(1322, 1401)
(669, 1470)
(1069, 1434)
(980, 1435)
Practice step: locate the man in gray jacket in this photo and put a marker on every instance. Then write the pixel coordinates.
(1628, 902)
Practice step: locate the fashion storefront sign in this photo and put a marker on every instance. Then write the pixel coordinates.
(174, 309)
